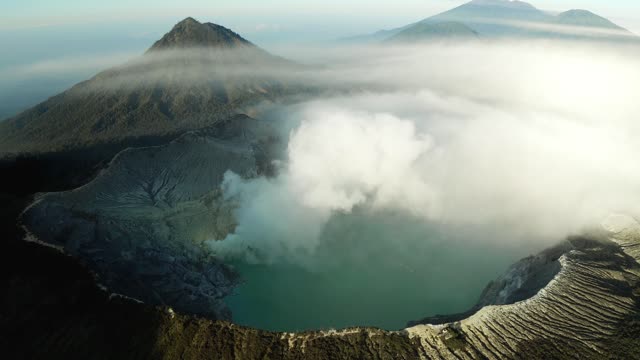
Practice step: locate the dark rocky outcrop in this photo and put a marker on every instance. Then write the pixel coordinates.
(141, 223)
(194, 77)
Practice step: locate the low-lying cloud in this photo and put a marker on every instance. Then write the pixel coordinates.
(534, 142)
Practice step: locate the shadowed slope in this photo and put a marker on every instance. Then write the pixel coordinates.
(173, 88)
(434, 32)
(590, 310)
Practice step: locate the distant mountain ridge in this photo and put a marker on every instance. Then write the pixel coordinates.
(511, 4)
(504, 18)
(434, 32)
(585, 18)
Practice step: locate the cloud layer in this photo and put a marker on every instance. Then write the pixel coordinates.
(535, 142)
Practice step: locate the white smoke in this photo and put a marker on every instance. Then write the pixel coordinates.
(537, 153)
(339, 159)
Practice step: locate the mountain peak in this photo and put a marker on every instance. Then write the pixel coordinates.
(189, 20)
(192, 33)
(580, 17)
(513, 4)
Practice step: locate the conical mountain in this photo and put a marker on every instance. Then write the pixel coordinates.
(196, 75)
(190, 33)
(425, 32)
(513, 18)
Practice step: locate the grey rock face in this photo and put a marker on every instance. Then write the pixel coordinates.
(525, 278)
(141, 224)
(191, 33)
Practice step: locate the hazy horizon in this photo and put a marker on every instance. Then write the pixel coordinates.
(42, 38)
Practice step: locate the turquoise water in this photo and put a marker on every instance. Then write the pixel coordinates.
(377, 271)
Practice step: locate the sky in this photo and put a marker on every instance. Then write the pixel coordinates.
(34, 29)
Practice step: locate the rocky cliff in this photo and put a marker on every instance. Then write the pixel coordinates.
(589, 310)
(576, 300)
